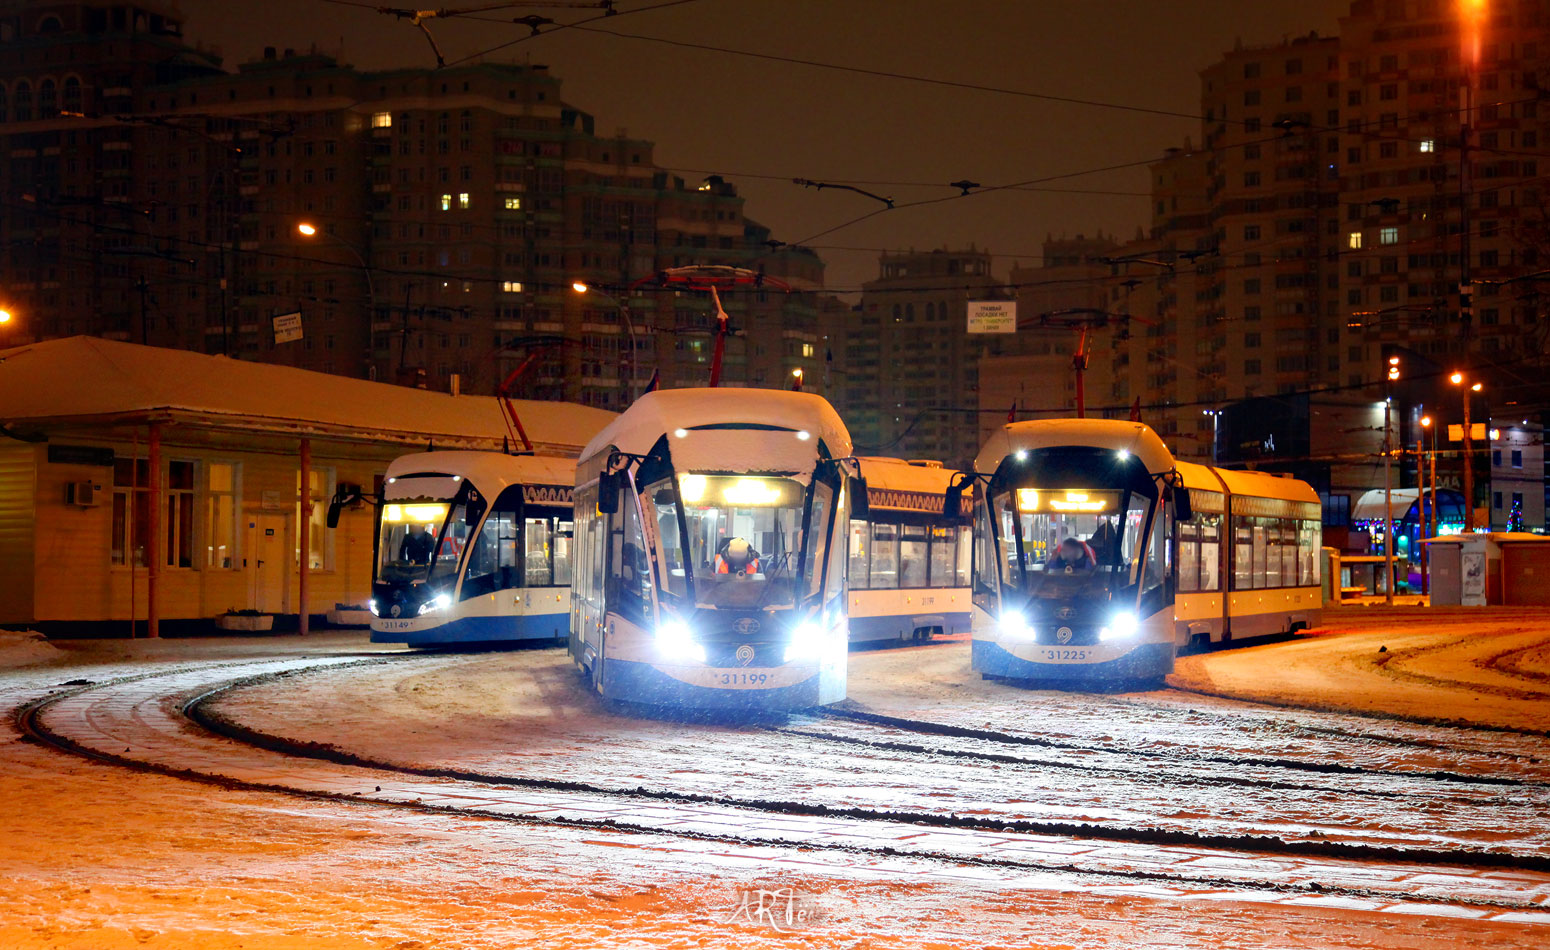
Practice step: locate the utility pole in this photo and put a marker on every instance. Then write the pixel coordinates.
(1388, 499)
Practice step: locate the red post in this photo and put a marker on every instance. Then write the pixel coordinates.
(304, 531)
(1079, 361)
(153, 549)
(721, 336)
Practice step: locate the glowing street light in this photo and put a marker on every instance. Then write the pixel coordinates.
(580, 287)
(307, 229)
(5, 316)
(796, 379)
(1457, 379)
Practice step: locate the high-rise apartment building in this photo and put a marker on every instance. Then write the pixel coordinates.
(908, 367)
(151, 195)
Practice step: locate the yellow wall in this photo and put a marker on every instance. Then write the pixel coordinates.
(74, 578)
(18, 472)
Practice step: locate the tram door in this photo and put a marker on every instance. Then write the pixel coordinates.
(266, 563)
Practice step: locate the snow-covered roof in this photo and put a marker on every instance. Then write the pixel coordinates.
(491, 466)
(884, 474)
(88, 379)
(1267, 485)
(1370, 507)
(1119, 435)
(704, 445)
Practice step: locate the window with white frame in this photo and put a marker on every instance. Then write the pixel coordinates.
(131, 511)
(320, 539)
(221, 494)
(180, 513)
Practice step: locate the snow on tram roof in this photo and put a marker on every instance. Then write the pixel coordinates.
(667, 411)
(490, 471)
(885, 474)
(1117, 434)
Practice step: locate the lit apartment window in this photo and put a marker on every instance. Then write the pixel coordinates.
(1427, 145)
(462, 201)
(446, 202)
(511, 286)
(1388, 236)
(807, 350)
(382, 120)
(513, 203)
(1354, 241)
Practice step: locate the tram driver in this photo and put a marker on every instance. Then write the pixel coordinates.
(417, 545)
(1072, 556)
(737, 556)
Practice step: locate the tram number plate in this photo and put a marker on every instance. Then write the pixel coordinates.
(741, 679)
(1061, 653)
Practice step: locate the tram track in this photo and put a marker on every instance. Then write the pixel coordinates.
(196, 711)
(927, 727)
(1405, 742)
(942, 752)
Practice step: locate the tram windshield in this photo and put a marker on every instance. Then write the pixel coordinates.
(744, 538)
(419, 540)
(1080, 542)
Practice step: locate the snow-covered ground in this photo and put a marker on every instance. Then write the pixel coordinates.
(95, 855)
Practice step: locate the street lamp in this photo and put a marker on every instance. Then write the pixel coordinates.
(622, 302)
(796, 380)
(5, 316)
(1458, 379)
(307, 229)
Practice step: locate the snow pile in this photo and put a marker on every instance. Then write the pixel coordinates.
(24, 647)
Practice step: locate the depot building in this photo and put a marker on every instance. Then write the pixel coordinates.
(154, 489)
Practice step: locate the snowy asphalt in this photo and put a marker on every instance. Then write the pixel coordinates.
(927, 774)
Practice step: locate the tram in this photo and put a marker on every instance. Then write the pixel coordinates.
(473, 547)
(1097, 555)
(710, 551)
(908, 561)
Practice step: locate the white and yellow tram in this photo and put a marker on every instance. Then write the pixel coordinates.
(908, 561)
(1097, 555)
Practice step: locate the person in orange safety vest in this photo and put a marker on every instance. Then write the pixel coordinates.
(737, 557)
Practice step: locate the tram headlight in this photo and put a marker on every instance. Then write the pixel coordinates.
(806, 642)
(1014, 625)
(675, 641)
(439, 602)
(1120, 626)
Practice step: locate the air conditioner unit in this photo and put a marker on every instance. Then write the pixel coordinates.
(83, 494)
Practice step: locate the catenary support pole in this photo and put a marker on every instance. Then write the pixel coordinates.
(153, 540)
(304, 529)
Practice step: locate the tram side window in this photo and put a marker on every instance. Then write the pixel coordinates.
(1157, 553)
(1200, 553)
(546, 544)
(659, 504)
(1210, 552)
(535, 534)
(561, 540)
(912, 556)
(1309, 538)
(1189, 557)
(817, 534)
(985, 578)
(1288, 552)
(1242, 555)
(1273, 537)
(857, 550)
(944, 554)
(631, 568)
(492, 558)
(885, 557)
(963, 561)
